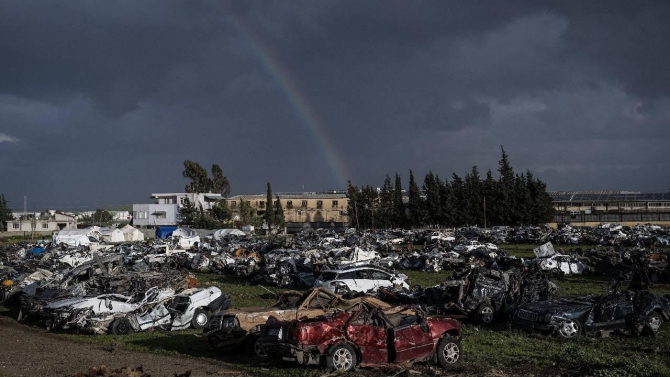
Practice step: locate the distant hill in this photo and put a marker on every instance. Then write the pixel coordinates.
(127, 207)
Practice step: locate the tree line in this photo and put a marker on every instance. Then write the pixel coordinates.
(511, 199)
(220, 215)
(6, 213)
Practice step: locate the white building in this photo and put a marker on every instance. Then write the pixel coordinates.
(34, 222)
(165, 209)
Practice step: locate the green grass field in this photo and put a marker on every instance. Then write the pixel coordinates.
(494, 350)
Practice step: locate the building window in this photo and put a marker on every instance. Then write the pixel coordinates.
(319, 203)
(304, 204)
(299, 214)
(261, 204)
(160, 214)
(45, 225)
(334, 203)
(16, 226)
(233, 204)
(289, 204)
(140, 214)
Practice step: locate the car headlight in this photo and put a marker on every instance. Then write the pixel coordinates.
(280, 333)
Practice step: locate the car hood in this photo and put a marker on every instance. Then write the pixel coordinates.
(75, 302)
(561, 305)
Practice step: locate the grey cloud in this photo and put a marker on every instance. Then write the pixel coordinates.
(123, 92)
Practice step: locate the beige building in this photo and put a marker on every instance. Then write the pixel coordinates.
(319, 210)
(589, 208)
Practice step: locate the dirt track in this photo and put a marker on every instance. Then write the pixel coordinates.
(28, 351)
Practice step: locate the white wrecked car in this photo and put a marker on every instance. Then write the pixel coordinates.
(563, 264)
(119, 314)
(547, 259)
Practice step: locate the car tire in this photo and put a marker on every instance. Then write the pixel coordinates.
(448, 351)
(200, 319)
(654, 322)
(121, 326)
(288, 281)
(341, 358)
(485, 313)
(253, 348)
(556, 273)
(569, 329)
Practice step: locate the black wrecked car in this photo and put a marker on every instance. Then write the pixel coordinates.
(634, 309)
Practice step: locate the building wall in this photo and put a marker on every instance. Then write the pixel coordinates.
(206, 200)
(300, 208)
(30, 226)
(146, 215)
(57, 222)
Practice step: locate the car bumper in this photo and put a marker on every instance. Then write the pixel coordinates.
(306, 355)
(532, 326)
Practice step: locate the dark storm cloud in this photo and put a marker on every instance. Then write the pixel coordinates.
(102, 101)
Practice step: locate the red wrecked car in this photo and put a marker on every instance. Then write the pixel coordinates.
(365, 336)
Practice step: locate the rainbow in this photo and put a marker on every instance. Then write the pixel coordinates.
(299, 102)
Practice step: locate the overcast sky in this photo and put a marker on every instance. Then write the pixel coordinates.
(102, 101)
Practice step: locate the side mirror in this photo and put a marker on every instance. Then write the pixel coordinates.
(108, 303)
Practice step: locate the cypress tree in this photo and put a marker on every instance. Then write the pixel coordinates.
(5, 213)
(269, 209)
(398, 205)
(280, 219)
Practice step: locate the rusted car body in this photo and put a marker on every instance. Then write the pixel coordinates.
(240, 327)
(365, 336)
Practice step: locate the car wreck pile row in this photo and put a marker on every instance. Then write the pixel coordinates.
(101, 295)
(359, 312)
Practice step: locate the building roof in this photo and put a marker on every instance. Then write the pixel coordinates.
(304, 195)
(607, 196)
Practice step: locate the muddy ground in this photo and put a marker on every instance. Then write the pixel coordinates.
(32, 352)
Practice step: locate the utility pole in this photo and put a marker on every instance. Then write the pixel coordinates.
(25, 209)
(484, 212)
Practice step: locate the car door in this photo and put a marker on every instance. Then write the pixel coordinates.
(412, 342)
(380, 279)
(348, 279)
(563, 265)
(363, 280)
(615, 308)
(370, 337)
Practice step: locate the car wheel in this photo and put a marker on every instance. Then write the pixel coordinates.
(253, 348)
(654, 322)
(284, 269)
(569, 329)
(448, 351)
(200, 319)
(121, 326)
(341, 358)
(288, 281)
(485, 313)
